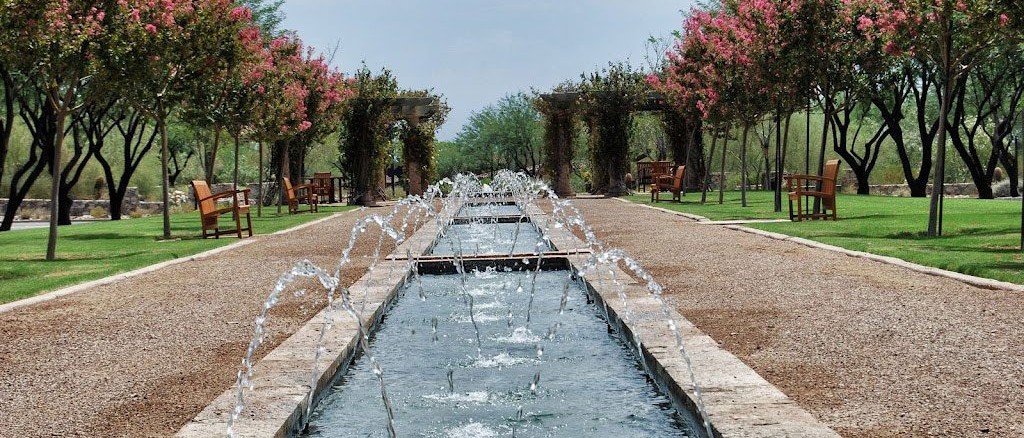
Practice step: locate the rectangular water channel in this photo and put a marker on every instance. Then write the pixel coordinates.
(590, 384)
(485, 210)
(490, 238)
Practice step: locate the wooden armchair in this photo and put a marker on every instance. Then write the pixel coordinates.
(667, 183)
(801, 186)
(322, 187)
(210, 214)
(303, 191)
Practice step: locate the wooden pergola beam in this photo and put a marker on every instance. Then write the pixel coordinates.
(416, 110)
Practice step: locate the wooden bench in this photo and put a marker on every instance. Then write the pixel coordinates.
(304, 192)
(668, 183)
(210, 214)
(649, 171)
(807, 186)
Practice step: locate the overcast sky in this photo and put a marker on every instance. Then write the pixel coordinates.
(476, 51)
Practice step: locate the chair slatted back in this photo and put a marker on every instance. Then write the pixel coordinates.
(322, 179)
(202, 191)
(677, 180)
(831, 173)
(828, 187)
(322, 183)
(289, 192)
(643, 172)
(659, 168)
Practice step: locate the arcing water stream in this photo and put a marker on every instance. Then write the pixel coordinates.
(463, 359)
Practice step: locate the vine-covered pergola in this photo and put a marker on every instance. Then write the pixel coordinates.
(560, 110)
(417, 150)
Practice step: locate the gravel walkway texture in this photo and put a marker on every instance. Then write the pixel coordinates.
(871, 349)
(142, 356)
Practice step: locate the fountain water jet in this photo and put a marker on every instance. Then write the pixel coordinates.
(461, 190)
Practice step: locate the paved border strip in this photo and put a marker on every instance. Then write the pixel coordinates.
(979, 282)
(49, 296)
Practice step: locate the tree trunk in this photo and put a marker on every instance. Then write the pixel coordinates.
(55, 168)
(116, 204)
(263, 193)
(161, 121)
(211, 156)
(826, 121)
(778, 162)
(938, 187)
(743, 165)
(782, 161)
(807, 135)
(721, 175)
(282, 172)
(707, 175)
(234, 175)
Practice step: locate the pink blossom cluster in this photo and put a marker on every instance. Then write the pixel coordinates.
(740, 58)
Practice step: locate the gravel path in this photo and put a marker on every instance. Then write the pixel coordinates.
(142, 356)
(870, 349)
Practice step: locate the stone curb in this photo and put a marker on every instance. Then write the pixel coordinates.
(50, 296)
(979, 282)
(689, 216)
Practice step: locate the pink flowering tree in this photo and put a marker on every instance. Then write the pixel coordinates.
(280, 112)
(861, 64)
(957, 36)
(952, 37)
(58, 42)
(324, 101)
(695, 76)
(167, 48)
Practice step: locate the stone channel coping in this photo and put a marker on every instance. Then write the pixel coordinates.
(739, 402)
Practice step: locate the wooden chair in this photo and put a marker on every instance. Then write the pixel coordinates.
(647, 172)
(322, 187)
(303, 191)
(801, 186)
(210, 214)
(667, 183)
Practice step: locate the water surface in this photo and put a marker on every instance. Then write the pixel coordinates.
(589, 383)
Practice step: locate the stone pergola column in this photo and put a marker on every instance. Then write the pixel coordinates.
(559, 140)
(416, 110)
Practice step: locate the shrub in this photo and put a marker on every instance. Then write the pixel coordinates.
(1001, 189)
(98, 212)
(34, 213)
(135, 214)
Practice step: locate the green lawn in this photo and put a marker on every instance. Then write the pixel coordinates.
(96, 250)
(981, 237)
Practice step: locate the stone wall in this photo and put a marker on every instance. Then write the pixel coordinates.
(40, 208)
(82, 207)
(848, 182)
(957, 189)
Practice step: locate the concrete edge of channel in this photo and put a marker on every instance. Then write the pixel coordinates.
(69, 290)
